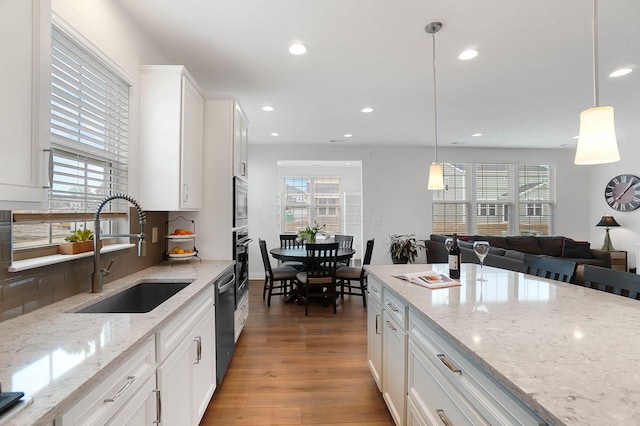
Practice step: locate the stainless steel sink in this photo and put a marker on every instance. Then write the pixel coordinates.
(141, 298)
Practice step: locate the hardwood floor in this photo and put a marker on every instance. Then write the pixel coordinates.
(289, 369)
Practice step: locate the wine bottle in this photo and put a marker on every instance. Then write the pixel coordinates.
(454, 258)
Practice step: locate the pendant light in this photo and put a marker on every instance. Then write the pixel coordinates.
(436, 176)
(597, 138)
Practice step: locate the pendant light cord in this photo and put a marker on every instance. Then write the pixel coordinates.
(435, 100)
(596, 88)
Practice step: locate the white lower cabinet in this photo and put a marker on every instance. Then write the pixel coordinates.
(114, 397)
(186, 374)
(374, 338)
(394, 357)
(445, 385)
(241, 315)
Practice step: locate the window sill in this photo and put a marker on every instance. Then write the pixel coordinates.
(37, 262)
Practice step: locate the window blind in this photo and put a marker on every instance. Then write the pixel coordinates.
(89, 128)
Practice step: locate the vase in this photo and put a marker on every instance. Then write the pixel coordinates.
(399, 260)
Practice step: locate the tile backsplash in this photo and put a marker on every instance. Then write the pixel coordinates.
(23, 292)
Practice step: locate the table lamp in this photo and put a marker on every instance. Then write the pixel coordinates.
(607, 221)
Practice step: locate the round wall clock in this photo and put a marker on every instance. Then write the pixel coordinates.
(623, 193)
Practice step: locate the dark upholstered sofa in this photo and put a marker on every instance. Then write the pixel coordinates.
(508, 252)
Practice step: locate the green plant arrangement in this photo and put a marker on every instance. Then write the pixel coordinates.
(309, 233)
(80, 235)
(79, 241)
(404, 248)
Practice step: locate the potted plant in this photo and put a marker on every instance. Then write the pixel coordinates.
(79, 241)
(309, 233)
(404, 248)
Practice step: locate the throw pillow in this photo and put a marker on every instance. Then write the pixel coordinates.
(576, 249)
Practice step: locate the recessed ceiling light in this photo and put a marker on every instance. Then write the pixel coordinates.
(475, 135)
(267, 108)
(348, 135)
(297, 49)
(367, 110)
(620, 72)
(468, 54)
(576, 137)
(275, 134)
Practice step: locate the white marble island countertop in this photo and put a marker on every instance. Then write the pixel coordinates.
(569, 352)
(55, 356)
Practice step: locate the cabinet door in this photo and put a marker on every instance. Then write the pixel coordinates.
(394, 371)
(203, 367)
(191, 155)
(374, 339)
(24, 107)
(240, 140)
(174, 382)
(141, 410)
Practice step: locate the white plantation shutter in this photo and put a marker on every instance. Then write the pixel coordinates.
(89, 129)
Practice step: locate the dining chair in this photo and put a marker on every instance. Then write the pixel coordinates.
(285, 275)
(549, 267)
(318, 280)
(347, 274)
(344, 242)
(291, 241)
(612, 281)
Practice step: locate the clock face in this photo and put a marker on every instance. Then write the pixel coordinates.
(623, 193)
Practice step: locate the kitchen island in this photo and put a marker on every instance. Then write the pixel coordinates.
(56, 356)
(567, 352)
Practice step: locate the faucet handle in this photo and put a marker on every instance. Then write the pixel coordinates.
(107, 271)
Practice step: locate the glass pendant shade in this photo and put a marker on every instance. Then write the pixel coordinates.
(597, 139)
(436, 178)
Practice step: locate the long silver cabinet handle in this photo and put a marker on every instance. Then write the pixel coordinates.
(449, 364)
(158, 407)
(377, 325)
(392, 307)
(198, 341)
(389, 325)
(129, 382)
(443, 417)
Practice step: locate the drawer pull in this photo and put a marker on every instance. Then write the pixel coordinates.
(449, 364)
(392, 307)
(130, 380)
(389, 325)
(158, 407)
(443, 417)
(198, 341)
(377, 325)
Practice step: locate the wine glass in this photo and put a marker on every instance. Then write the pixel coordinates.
(481, 248)
(448, 242)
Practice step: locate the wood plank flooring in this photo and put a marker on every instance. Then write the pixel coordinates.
(289, 369)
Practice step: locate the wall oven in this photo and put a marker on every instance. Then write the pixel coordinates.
(241, 242)
(240, 203)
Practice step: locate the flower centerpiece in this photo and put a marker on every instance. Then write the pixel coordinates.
(309, 233)
(404, 248)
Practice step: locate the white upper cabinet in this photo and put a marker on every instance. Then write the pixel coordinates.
(25, 25)
(240, 141)
(171, 128)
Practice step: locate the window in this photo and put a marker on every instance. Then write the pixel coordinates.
(493, 191)
(89, 120)
(309, 199)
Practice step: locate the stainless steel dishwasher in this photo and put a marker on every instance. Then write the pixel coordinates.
(225, 308)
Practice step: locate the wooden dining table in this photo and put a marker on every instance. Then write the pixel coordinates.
(299, 254)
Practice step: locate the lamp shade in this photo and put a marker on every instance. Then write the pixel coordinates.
(597, 139)
(608, 221)
(436, 178)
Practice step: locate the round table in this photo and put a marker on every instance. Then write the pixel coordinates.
(300, 254)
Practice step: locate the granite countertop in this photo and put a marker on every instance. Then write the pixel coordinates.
(55, 356)
(569, 352)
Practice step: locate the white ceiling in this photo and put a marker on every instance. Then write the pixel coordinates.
(526, 88)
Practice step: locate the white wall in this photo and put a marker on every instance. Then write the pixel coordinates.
(106, 25)
(395, 198)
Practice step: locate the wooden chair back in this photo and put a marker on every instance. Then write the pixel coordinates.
(289, 241)
(549, 267)
(344, 241)
(321, 261)
(265, 257)
(612, 281)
